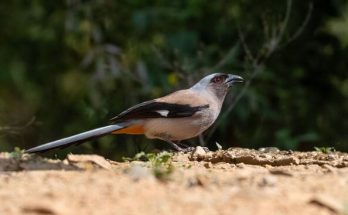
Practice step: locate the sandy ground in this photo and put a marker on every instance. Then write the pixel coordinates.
(233, 181)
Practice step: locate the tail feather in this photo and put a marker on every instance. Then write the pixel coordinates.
(76, 139)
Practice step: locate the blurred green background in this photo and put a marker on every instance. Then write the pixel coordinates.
(69, 66)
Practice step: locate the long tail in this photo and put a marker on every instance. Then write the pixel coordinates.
(76, 139)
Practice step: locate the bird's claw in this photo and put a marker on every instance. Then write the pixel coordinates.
(188, 149)
(191, 149)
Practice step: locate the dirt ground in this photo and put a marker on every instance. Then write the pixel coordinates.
(233, 181)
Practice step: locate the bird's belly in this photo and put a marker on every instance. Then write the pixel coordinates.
(171, 129)
(177, 128)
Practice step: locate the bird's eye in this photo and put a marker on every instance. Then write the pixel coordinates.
(218, 79)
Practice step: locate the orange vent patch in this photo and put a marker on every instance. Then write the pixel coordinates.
(134, 129)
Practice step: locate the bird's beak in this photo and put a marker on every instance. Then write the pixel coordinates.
(233, 79)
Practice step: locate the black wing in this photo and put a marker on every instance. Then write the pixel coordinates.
(154, 109)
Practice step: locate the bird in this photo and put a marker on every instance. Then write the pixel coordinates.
(181, 115)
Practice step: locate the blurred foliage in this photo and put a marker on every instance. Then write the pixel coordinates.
(325, 150)
(74, 64)
(160, 163)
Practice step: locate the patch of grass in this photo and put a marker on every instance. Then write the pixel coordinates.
(218, 146)
(17, 153)
(162, 166)
(141, 156)
(325, 150)
(160, 163)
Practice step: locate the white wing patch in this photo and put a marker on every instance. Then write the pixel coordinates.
(163, 112)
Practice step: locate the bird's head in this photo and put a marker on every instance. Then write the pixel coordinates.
(217, 83)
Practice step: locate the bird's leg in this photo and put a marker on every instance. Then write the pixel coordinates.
(189, 148)
(176, 146)
(182, 144)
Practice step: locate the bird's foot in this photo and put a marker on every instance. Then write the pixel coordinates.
(188, 149)
(180, 147)
(192, 149)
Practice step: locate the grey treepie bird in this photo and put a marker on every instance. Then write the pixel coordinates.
(178, 116)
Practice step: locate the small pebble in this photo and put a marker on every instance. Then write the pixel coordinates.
(269, 149)
(268, 180)
(137, 172)
(207, 165)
